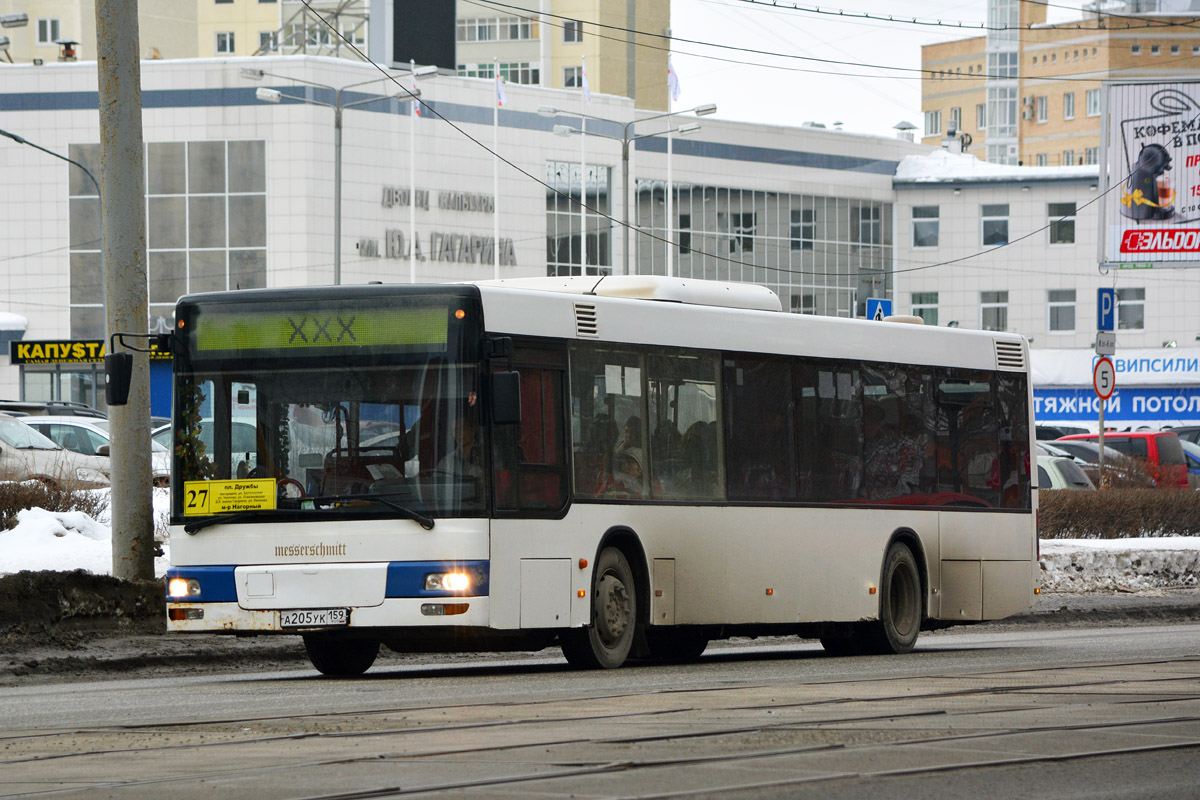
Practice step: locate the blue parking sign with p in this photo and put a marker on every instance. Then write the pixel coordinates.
(1106, 309)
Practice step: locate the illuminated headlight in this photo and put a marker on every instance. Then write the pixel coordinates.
(447, 582)
(89, 475)
(183, 587)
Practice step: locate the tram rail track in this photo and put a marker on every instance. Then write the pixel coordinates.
(860, 720)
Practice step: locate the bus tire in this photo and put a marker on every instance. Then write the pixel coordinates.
(676, 644)
(607, 641)
(338, 656)
(900, 604)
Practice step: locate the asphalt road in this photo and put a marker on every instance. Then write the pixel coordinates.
(1026, 711)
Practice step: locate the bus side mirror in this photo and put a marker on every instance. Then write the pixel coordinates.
(506, 398)
(118, 371)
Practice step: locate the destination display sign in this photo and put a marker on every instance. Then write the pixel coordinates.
(237, 330)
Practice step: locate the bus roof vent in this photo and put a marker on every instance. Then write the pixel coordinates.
(1010, 356)
(585, 321)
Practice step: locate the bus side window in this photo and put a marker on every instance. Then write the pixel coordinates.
(530, 458)
(759, 433)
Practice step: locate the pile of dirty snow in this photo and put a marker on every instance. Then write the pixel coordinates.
(1106, 565)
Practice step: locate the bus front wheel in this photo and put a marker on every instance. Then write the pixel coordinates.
(899, 604)
(338, 656)
(606, 642)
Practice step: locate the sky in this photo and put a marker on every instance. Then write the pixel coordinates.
(774, 90)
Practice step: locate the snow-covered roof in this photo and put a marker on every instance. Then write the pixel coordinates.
(942, 166)
(12, 322)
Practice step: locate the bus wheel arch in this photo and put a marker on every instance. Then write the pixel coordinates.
(618, 604)
(909, 538)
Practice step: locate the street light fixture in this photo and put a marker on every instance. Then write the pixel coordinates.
(14, 20)
(267, 95)
(625, 139)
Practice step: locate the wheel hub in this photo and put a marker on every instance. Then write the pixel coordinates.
(612, 612)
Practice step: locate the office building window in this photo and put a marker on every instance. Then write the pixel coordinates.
(1042, 104)
(926, 226)
(48, 31)
(1062, 223)
(1092, 99)
(744, 223)
(1174, 49)
(493, 29)
(225, 42)
(925, 306)
(1068, 158)
(572, 30)
(956, 118)
(266, 40)
(572, 77)
(1131, 309)
(1135, 49)
(804, 304)
(684, 234)
(1060, 307)
(981, 116)
(1091, 155)
(995, 224)
(993, 311)
(1155, 50)
(803, 228)
(1069, 105)
(1042, 160)
(870, 224)
(933, 123)
(206, 230)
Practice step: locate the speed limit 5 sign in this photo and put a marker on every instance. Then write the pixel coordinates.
(1104, 378)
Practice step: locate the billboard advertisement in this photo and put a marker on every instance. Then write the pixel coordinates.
(1152, 175)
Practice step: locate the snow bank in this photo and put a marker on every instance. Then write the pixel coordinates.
(68, 540)
(1105, 565)
(940, 166)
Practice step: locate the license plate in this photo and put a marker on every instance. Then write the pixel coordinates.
(314, 617)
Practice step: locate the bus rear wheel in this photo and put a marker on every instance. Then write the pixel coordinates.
(900, 604)
(339, 656)
(606, 642)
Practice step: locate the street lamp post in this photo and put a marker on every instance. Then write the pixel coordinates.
(626, 138)
(268, 95)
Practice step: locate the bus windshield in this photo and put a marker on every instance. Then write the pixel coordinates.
(388, 429)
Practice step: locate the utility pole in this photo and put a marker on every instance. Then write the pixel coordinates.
(123, 203)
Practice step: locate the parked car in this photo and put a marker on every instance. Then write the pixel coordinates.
(90, 436)
(1191, 454)
(1121, 470)
(1056, 472)
(1188, 433)
(1161, 450)
(41, 408)
(1045, 432)
(26, 455)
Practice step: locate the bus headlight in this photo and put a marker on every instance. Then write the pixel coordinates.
(183, 587)
(447, 582)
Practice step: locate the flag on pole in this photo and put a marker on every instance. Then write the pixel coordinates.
(501, 98)
(587, 90)
(416, 103)
(672, 80)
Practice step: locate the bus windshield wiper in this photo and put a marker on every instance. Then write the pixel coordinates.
(426, 522)
(218, 519)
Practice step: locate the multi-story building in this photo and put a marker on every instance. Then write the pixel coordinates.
(620, 43)
(167, 29)
(1030, 93)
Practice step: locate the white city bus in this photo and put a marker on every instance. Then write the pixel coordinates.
(628, 467)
